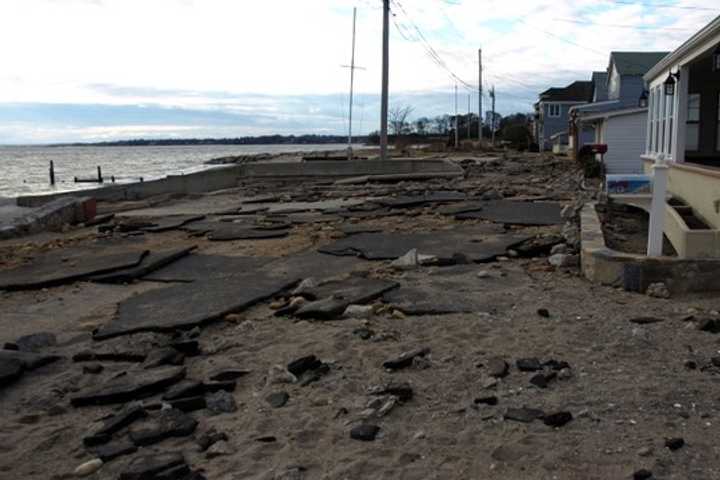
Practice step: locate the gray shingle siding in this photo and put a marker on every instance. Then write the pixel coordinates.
(553, 125)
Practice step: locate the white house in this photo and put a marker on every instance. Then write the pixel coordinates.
(683, 125)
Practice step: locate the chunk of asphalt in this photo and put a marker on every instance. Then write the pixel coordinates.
(146, 467)
(525, 415)
(185, 388)
(365, 432)
(210, 437)
(528, 364)
(406, 359)
(646, 320)
(278, 399)
(36, 342)
(11, 369)
(542, 380)
(557, 419)
(139, 384)
(303, 364)
(642, 474)
(114, 424)
(228, 375)
(111, 451)
(675, 443)
(543, 312)
(556, 364)
(167, 424)
(403, 391)
(163, 356)
(491, 400)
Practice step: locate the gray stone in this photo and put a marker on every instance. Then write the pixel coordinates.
(184, 389)
(406, 359)
(658, 290)
(525, 415)
(218, 449)
(496, 367)
(36, 342)
(563, 260)
(278, 399)
(221, 402)
(146, 467)
(365, 432)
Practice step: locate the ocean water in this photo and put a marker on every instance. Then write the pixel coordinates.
(25, 169)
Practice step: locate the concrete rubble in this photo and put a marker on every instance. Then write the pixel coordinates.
(372, 325)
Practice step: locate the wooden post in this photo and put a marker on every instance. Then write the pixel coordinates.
(52, 172)
(100, 178)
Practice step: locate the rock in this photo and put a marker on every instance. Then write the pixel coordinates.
(163, 356)
(363, 333)
(483, 274)
(563, 260)
(11, 370)
(406, 359)
(557, 419)
(168, 423)
(710, 325)
(110, 356)
(279, 375)
(219, 449)
(645, 451)
(180, 472)
(556, 364)
(88, 468)
(228, 375)
(148, 466)
(359, 311)
(403, 391)
(658, 290)
(642, 475)
(646, 320)
(209, 438)
(114, 450)
(398, 314)
(211, 387)
(543, 312)
(315, 375)
(302, 365)
(221, 402)
(36, 342)
(675, 443)
(278, 400)
(130, 387)
(307, 284)
(497, 367)
(565, 374)
(560, 248)
(327, 308)
(525, 415)
(184, 389)
(492, 401)
(29, 360)
(93, 368)
(408, 261)
(365, 432)
(528, 364)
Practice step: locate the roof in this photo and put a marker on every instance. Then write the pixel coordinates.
(711, 30)
(575, 92)
(614, 113)
(635, 63)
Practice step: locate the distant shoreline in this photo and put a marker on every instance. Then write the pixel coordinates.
(261, 140)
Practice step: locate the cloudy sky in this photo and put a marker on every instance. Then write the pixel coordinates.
(88, 70)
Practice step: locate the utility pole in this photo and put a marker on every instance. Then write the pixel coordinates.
(457, 133)
(492, 95)
(469, 116)
(480, 93)
(352, 86)
(385, 82)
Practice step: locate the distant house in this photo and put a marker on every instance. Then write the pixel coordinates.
(618, 113)
(552, 110)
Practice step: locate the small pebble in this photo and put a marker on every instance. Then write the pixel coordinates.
(88, 468)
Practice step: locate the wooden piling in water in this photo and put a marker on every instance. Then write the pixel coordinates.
(52, 172)
(100, 178)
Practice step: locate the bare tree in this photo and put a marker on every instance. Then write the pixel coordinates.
(398, 119)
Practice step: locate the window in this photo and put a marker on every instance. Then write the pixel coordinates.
(553, 110)
(717, 141)
(692, 142)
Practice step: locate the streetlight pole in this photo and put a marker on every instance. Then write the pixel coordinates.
(385, 82)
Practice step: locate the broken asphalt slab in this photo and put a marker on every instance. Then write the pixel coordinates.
(132, 386)
(332, 298)
(69, 265)
(517, 213)
(475, 245)
(152, 262)
(203, 267)
(187, 305)
(171, 222)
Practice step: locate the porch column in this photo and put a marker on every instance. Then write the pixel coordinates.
(680, 108)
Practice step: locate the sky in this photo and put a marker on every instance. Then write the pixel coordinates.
(95, 70)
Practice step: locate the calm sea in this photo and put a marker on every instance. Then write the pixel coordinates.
(24, 169)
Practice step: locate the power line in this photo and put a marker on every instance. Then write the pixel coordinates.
(632, 27)
(663, 5)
